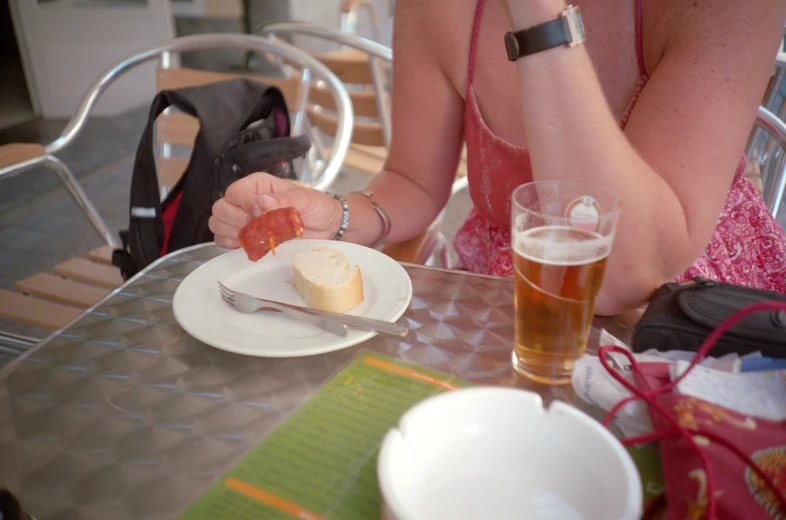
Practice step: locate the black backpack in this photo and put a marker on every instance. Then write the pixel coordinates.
(243, 128)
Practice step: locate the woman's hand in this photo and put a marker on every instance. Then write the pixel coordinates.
(250, 196)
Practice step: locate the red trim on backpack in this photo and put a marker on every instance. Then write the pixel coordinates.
(168, 217)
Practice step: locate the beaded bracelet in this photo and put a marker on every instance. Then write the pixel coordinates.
(344, 216)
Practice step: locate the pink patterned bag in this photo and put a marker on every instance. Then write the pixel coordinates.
(717, 463)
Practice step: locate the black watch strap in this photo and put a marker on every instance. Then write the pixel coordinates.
(568, 30)
(535, 39)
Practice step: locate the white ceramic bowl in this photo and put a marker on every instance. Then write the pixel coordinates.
(496, 453)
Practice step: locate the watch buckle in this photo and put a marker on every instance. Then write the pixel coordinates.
(512, 46)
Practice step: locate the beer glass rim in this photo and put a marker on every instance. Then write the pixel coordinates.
(616, 202)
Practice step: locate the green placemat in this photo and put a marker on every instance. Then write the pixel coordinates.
(321, 462)
(647, 460)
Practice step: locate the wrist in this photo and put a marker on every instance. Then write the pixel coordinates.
(343, 217)
(383, 219)
(370, 223)
(334, 212)
(565, 29)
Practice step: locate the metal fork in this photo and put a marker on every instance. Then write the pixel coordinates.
(249, 303)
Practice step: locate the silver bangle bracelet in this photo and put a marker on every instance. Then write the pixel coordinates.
(344, 216)
(386, 224)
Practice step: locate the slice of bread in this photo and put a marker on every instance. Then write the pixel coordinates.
(327, 282)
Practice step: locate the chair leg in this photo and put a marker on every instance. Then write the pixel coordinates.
(437, 246)
(459, 185)
(426, 250)
(80, 197)
(444, 252)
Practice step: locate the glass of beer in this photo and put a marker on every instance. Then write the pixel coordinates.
(561, 237)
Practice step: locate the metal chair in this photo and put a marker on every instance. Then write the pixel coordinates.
(774, 86)
(360, 62)
(764, 152)
(771, 157)
(48, 301)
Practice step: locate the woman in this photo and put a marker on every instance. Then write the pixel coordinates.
(658, 103)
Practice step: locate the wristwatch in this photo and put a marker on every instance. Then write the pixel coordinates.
(568, 30)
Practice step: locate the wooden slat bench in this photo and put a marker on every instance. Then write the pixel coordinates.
(50, 300)
(13, 153)
(84, 270)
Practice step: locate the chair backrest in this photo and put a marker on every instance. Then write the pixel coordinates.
(771, 157)
(361, 63)
(180, 130)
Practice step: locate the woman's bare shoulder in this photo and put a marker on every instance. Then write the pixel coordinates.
(444, 26)
(437, 12)
(720, 24)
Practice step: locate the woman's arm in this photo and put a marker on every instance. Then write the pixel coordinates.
(421, 165)
(675, 161)
(427, 121)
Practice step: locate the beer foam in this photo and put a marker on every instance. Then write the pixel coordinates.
(554, 245)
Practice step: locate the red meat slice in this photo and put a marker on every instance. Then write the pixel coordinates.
(262, 234)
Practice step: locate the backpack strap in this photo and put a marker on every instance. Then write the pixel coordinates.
(122, 259)
(142, 242)
(258, 156)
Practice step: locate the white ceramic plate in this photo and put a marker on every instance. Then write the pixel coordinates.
(198, 307)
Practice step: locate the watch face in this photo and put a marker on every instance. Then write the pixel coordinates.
(575, 26)
(578, 25)
(512, 46)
